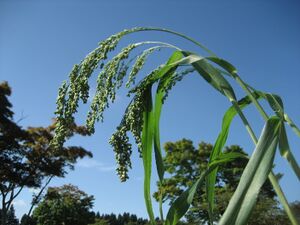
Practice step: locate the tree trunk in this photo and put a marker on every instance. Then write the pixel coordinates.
(3, 216)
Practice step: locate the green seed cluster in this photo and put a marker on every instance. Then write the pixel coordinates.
(110, 78)
(138, 65)
(133, 122)
(78, 87)
(60, 130)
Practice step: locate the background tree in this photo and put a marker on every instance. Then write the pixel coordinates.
(52, 162)
(100, 222)
(27, 220)
(11, 218)
(65, 205)
(26, 157)
(296, 208)
(184, 163)
(11, 153)
(121, 219)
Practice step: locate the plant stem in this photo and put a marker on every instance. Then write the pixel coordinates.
(249, 93)
(138, 29)
(245, 122)
(282, 198)
(163, 44)
(161, 213)
(292, 124)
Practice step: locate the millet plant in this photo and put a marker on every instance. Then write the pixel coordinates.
(141, 119)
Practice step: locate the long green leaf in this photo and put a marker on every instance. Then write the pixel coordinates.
(147, 138)
(285, 150)
(183, 202)
(254, 176)
(292, 125)
(217, 149)
(211, 75)
(165, 76)
(274, 101)
(150, 131)
(276, 104)
(228, 157)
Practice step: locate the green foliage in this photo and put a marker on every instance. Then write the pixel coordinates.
(138, 119)
(64, 205)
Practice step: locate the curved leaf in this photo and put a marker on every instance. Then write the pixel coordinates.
(254, 176)
(276, 104)
(228, 157)
(165, 77)
(211, 74)
(183, 202)
(217, 150)
(147, 137)
(285, 150)
(165, 74)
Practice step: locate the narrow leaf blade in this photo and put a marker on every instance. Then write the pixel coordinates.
(254, 176)
(217, 150)
(165, 74)
(183, 202)
(211, 75)
(285, 151)
(147, 138)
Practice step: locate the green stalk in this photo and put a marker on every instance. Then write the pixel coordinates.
(245, 122)
(249, 93)
(271, 176)
(161, 213)
(139, 29)
(282, 198)
(292, 124)
(159, 43)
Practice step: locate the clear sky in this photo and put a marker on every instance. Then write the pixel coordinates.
(41, 40)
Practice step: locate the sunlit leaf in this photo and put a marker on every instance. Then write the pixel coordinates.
(147, 137)
(285, 150)
(253, 177)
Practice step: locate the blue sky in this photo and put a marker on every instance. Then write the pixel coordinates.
(41, 40)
